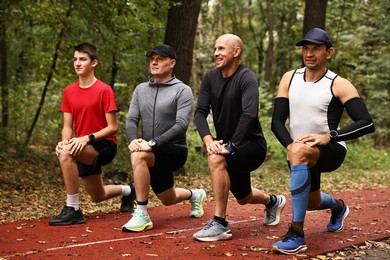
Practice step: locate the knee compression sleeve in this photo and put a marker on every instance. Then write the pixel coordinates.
(300, 189)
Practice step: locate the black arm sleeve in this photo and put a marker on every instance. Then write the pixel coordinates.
(279, 117)
(362, 125)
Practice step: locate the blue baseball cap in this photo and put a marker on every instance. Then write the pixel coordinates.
(163, 50)
(316, 36)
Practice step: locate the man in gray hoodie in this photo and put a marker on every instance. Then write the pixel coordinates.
(164, 106)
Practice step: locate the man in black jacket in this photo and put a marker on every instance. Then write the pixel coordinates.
(232, 93)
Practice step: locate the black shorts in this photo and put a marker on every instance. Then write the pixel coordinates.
(248, 157)
(169, 158)
(106, 150)
(331, 158)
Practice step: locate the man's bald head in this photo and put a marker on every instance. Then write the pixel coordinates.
(227, 53)
(232, 41)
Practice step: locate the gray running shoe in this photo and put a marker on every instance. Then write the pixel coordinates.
(213, 231)
(273, 215)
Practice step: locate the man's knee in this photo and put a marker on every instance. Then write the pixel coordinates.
(298, 153)
(138, 159)
(216, 161)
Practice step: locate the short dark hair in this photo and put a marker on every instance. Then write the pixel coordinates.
(89, 49)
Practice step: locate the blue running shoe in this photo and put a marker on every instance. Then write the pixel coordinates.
(292, 243)
(336, 222)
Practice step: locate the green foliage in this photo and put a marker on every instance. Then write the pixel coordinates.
(124, 30)
(363, 155)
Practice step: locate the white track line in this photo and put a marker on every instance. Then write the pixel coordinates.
(116, 240)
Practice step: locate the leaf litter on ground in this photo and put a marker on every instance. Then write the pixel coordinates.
(32, 188)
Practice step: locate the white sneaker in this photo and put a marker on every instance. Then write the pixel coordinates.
(197, 204)
(139, 222)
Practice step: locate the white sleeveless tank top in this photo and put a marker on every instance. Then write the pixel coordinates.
(313, 107)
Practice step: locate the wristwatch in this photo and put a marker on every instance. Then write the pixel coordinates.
(91, 138)
(333, 134)
(152, 143)
(231, 147)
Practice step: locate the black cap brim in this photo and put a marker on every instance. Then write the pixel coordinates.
(161, 50)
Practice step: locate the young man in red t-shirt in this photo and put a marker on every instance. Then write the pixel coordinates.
(89, 109)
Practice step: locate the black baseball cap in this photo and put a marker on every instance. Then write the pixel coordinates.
(164, 50)
(316, 36)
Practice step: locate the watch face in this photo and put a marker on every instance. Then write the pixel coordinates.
(333, 134)
(91, 137)
(152, 143)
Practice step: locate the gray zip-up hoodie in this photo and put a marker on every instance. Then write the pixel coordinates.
(164, 110)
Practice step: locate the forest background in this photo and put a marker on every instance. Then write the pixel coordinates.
(36, 51)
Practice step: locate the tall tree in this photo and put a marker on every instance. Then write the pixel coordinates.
(3, 75)
(270, 47)
(315, 13)
(49, 77)
(180, 34)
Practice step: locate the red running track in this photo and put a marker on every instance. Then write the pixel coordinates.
(101, 237)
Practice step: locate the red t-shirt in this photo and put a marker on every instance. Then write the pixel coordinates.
(88, 107)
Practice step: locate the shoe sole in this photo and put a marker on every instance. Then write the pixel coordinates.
(342, 222)
(297, 250)
(201, 206)
(278, 212)
(80, 221)
(138, 229)
(224, 236)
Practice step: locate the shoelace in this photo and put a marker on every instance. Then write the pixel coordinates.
(64, 210)
(209, 225)
(291, 234)
(268, 212)
(196, 204)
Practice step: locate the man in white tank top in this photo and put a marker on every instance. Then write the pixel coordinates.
(313, 98)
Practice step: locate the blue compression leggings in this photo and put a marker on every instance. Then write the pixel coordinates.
(300, 188)
(328, 202)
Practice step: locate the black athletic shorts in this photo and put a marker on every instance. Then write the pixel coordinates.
(169, 158)
(106, 150)
(331, 158)
(248, 157)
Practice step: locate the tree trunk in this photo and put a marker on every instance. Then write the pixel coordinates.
(48, 80)
(270, 48)
(3, 76)
(315, 13)
(180, 34)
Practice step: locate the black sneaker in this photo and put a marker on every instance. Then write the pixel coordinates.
(127, 204)
(68, 216)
